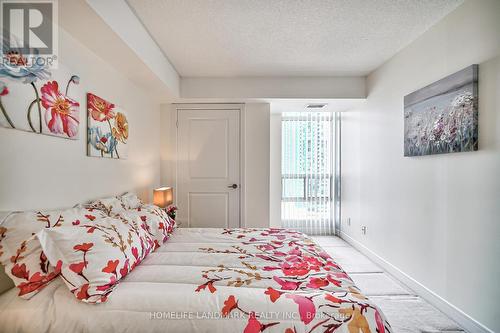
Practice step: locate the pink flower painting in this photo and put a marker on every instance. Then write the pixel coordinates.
(61, 112)
(108, 129)
(35, 100)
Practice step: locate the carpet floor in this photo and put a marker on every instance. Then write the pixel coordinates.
(405, 311)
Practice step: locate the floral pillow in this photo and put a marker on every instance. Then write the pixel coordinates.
(161, 214)
(94, 257)
(129, 207)
(115, 205)
(130, 200)
(110, 206)
(157, 223)
(20, 251)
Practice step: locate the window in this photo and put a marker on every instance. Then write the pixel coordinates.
(307, 171)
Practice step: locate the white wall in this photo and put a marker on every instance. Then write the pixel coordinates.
(436, 218)
(168, 143)
(273, 87)
(122, 19)
(255, 190)
(275, 170)
(256, 208)
(38, 171)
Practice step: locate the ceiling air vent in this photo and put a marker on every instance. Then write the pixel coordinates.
(315, 106)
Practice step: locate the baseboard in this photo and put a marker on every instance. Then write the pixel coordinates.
(465, 321)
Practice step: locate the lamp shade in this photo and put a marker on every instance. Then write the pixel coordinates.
(163, 196)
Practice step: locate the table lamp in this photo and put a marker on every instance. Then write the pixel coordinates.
(163, 197)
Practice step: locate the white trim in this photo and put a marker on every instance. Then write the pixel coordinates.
(209, 106)
(243, 212)
(337, 150)
(464, 320)
(175, 117)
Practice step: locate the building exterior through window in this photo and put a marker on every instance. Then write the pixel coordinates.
(307, 172)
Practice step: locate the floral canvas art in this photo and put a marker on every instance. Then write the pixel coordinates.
(34, 99)
(443, 117)
(108, 130)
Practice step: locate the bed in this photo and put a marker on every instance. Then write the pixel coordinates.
(212, 280)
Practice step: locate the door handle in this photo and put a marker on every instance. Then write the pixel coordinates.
(233, 186)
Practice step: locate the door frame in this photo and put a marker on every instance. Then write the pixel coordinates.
(178, 107)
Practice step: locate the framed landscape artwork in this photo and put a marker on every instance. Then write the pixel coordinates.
(443, 117)
(107, 129)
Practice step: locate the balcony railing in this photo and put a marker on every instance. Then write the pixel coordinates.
(310, 187)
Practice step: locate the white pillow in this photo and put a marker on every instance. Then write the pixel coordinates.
(130, 200)
(93, 257)
(110, 205)
(158, 224)
(20, 252)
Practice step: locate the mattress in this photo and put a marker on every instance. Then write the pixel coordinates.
(212, 280)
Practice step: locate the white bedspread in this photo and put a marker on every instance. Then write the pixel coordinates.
(183, 287)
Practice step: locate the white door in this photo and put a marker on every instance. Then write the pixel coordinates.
(208, 167)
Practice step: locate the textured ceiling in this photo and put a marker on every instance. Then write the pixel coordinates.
(285, 37)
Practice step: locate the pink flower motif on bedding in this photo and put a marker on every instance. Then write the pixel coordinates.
(287, 285)
(21, 253)
(292, 270)
(111, 267)
(307, 310)
(109, 206)
(273, 294)
(154, 220)
(316, 283)
(253, 324)
(112, 249)
(37, 281)
(380, 322)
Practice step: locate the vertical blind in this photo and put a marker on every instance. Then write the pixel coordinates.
(307, 171)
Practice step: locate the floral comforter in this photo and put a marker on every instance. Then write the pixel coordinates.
(213, 280)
